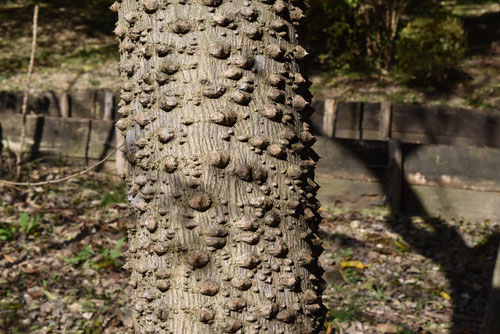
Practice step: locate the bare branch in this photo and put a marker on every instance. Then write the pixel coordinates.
(31, 184)
(19, 154)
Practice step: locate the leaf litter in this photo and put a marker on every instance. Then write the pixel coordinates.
(405, 274)
(62, 254)
(61, 261)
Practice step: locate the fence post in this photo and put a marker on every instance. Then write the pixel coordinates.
(329, 118)
(385, 120)
(64, 104)
(108, 105)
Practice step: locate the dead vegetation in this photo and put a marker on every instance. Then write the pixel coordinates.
(406, 275)
(62, 261)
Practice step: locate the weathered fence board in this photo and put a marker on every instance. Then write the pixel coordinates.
(86, 103)
(433, 125)
(450, 181)
(348, 120)
(413, 124)
(371, 121)
(65, 137)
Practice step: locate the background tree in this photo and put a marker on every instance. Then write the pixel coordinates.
(221, 170)
(363, 34)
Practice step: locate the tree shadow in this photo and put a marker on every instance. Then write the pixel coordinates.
(468, 269)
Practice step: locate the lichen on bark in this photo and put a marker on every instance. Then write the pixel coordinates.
(220, 174)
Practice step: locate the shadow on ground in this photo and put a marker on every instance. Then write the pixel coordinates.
(468, 269)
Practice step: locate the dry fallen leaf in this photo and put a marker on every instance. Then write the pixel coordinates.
(445, 295)
(11, 260)
(387, 328)
(354, 264)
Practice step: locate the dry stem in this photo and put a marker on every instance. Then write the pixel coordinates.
(31, 184)
(26, 92)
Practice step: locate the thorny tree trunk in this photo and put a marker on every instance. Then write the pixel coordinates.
(221, 169)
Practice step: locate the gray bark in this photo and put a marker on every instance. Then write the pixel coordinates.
(220, 173)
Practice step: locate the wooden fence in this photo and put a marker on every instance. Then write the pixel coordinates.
(78, 125)
(411, 124)
(385, 152)
(451, 149)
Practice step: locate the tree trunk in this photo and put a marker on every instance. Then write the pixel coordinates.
(220, 173)
(491, 321)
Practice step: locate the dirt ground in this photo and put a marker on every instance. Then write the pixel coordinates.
(62, 246)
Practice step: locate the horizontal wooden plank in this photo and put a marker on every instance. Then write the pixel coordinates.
(372, 135)
(316, 119)
(459, 167)
(348, 120)
(418, 124)
(65, 137)
(371, 116)
(426, 138)
(86, 103)
(450, 126)
(46, 103)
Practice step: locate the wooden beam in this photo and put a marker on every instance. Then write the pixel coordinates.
(448, 126)
(329, 118)
(64, 105)
(370, 122)
(58, 136)
(348, 118)
(385, 120)
(108, 105)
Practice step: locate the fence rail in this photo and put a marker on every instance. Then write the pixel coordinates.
(413, 124)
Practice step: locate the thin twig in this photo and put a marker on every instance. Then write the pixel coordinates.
(32, 184)
(26, 92)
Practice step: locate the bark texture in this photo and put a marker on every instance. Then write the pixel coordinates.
(220, 172)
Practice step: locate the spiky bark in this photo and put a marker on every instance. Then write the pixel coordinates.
(221, 170)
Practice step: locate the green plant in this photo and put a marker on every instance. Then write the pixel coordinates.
(111, 257)
(82, 257)
(102, 258)
(429, 49)
(8, 231)
(353, 275)
(378, 293)
(346, 314)
(360, 35)
(116, 195)
(404, 331)
(334, 36)
(345, 252)
(27, 225)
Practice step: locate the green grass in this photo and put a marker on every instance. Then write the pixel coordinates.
(116, 195)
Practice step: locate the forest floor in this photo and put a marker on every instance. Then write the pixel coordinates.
(61, 264)
(76, 50)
